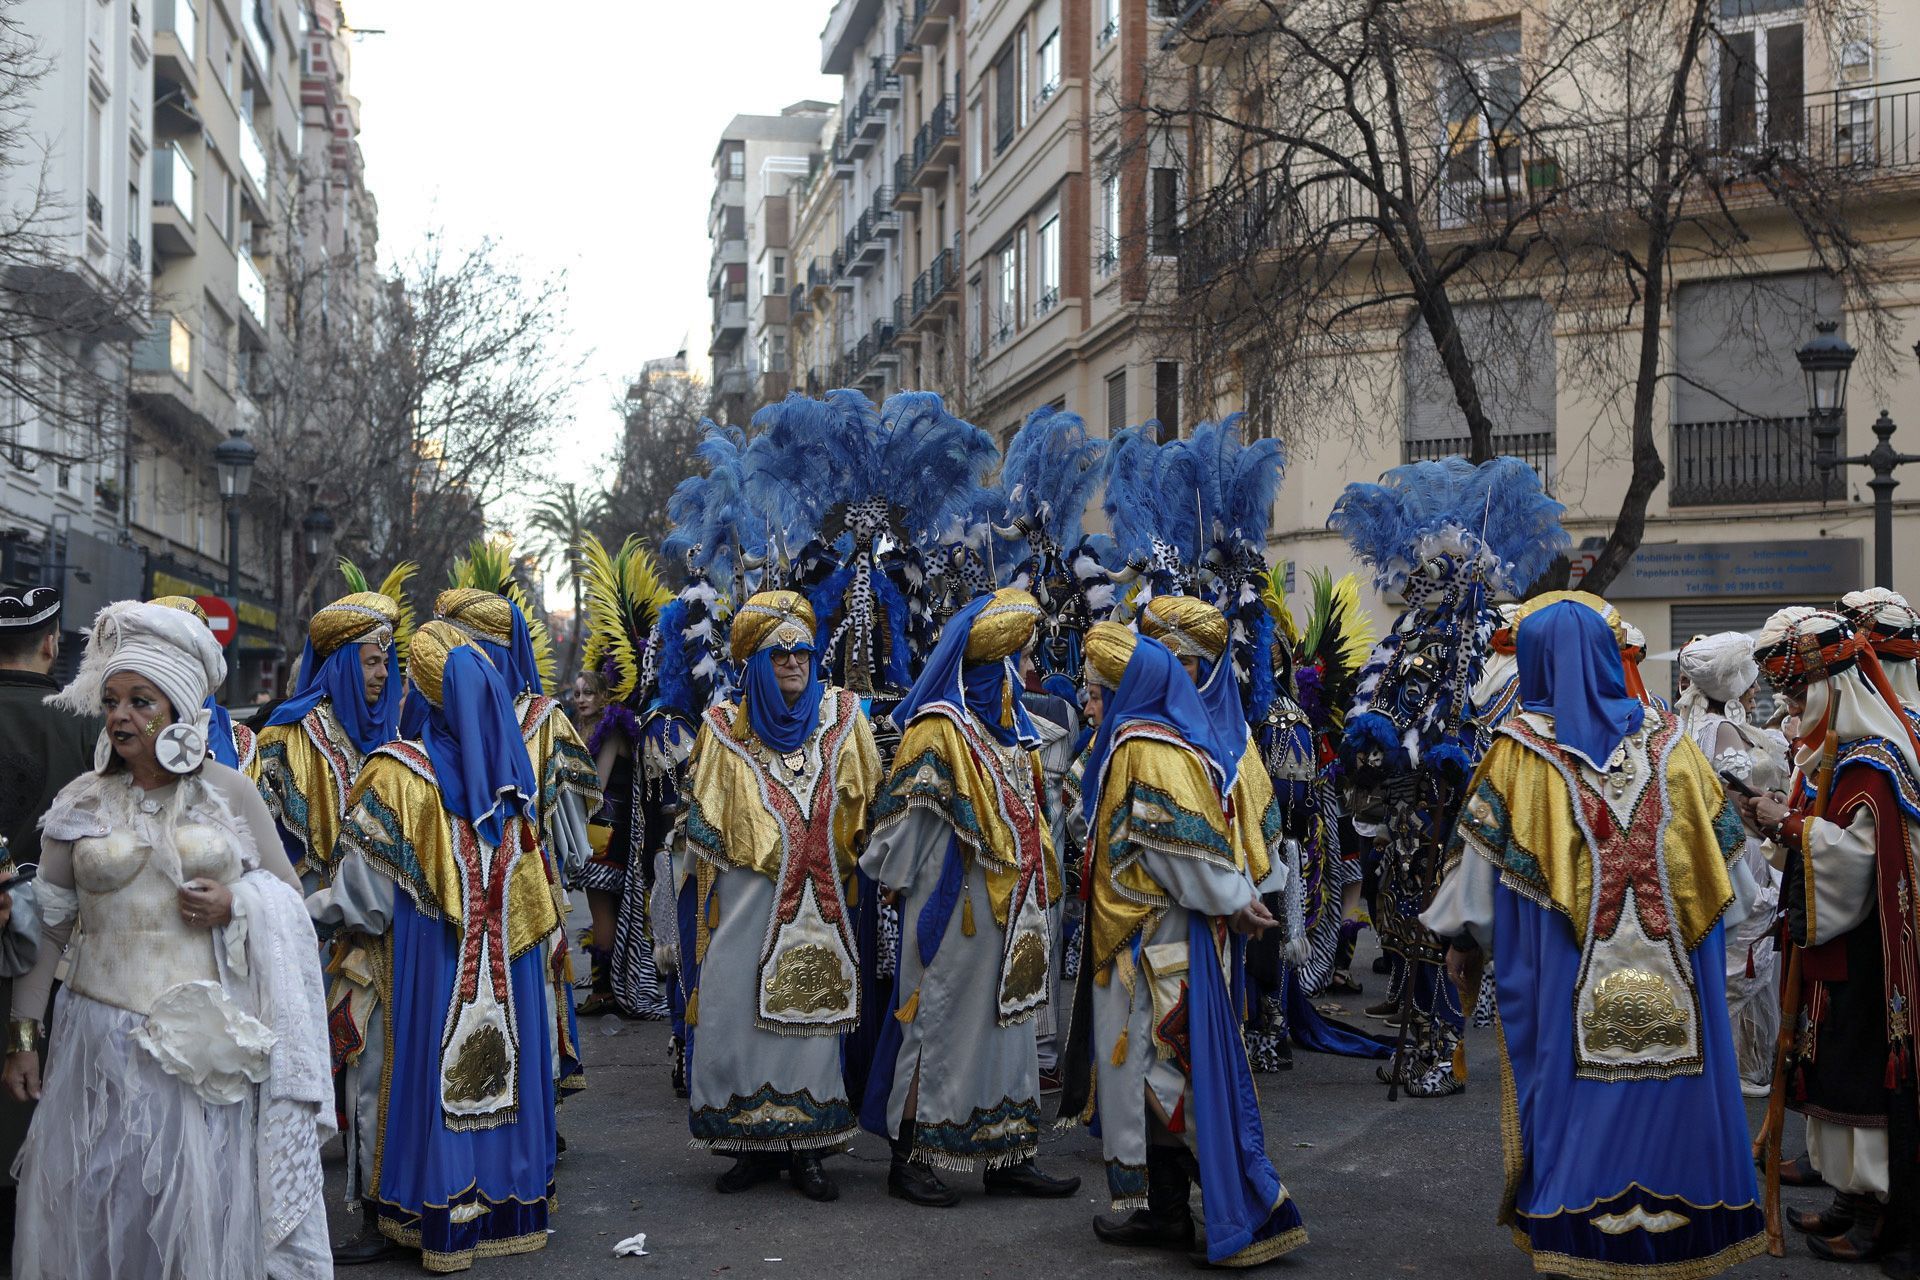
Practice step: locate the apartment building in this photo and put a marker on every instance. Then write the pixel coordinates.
(74, 253)
(758, 166)
(1745, 521)
(813, 324)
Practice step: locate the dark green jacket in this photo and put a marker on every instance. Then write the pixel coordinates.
(41, 751)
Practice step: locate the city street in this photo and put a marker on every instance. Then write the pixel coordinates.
(1407, 1189)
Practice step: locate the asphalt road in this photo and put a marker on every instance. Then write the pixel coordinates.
(1407, 1188)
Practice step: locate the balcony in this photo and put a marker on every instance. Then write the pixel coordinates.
(1746, 460)
(930, 19)
(796, 299)
(259, 38)
(865, 249)
(843, 165)
(937, 288)
(1535, 448)
(906, 54)
(730, 380)
(904, 334)
(253, 292)
(173, 201)
(1869, 137)
(166, 349)
(774, 311)
(175, 41)
(774, 383)
(820, 273)
(727, 193)
(886, 85)
(730, 317)
(885, 221)
(843, 273)
(726, 253)
(865, 126)
(253, 162)
(937, 145)
(906, 192)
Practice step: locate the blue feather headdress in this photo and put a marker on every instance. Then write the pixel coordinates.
(1051, 470)
(809, 456)
(1494, 519)
(717, 529)
(1154, 500)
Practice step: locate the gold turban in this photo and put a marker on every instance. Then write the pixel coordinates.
(1527, 608)
(185, 604)
(772, 620)
(1109, 648)
(484, 614)
(364, 616)
(1189, 626)
(427, 656)
(1004, 626)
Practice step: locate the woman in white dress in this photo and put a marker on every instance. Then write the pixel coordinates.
(1719, 670)
(187, 1093)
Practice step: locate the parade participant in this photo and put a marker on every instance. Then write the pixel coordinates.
(1850, 836)
(346, 704)
(229, 743)
(960, 835)
(1169, 887)
(588, 701)
(440, 875)
(1057, 721)
(1718, 671)
(1592, 857)
(777, 808)
(1633, 651)
(1448, 536)
(191, 1025)
(639, 745)
(1892, 629)
(1496, 695)
(41, 751)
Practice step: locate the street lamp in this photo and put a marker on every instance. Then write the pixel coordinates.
(1825, 362)
(234, 458)
(318, 526)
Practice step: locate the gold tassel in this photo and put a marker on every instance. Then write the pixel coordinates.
(713, 911)
(1460, 1061)
(693, 1008)
(908, 1011)
(966, 913)
(1120, 1049)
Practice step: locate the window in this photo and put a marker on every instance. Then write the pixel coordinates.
(1166, 398)
(220, 203)
(1482, 93)
(1169, 8)
(1006, 100)
(779, 273)
(1047, 252)
(1050, 65)
(96, 156)
(979, 126)
(1020, 64)
(1740, 430)
(1511, 345)
(1011, 265)
(1166, 212)
(736, 282)
(736, 164)
(1762, 79)
(1109, 240)
(1109, 20)
(1116, 401)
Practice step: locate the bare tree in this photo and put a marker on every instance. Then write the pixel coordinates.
(661, 414)
(1360, 167)
(66, 325)
(406, 404)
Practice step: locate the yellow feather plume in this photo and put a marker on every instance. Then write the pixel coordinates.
(488, 566)
(624, 594)
(1276, 601)
(1358, 633)
(394, 588)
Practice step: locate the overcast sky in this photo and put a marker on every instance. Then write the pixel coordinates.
(579, 134)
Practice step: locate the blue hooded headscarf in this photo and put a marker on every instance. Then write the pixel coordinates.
(220, 733)
(781, 726)
(514, 660)
(1570, 669)
(981, 687)
(1220, 694)
(338, 680)
(1157, 690)
(473, 739)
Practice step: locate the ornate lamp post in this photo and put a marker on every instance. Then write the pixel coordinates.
(1825, 363)
(234, 458)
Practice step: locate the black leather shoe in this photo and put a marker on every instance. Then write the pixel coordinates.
(1860, 1241)
(917, 1184)
(810, 1179)
(369, 1246)
(1143, 1229)
(747, 1172)
(1025, 1179)
(1830, 1221)
(1798, 1172)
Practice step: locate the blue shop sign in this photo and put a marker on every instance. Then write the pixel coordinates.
(1800, 568)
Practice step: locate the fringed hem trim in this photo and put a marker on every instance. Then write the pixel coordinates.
(1266, 1250)
(1127, 1204)
(799, 1142)
(936, 1159)
(1685, 1269)
(446, 1263)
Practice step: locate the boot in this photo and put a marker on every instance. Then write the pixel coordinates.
(1025, 1179)
(810, 1178)
(913, 1182)
(369, 1246)
(748, 1171)
(1860, 1241)
(1797, 1172)
(1166, 1222)
(677, 1051)
(1830, 1221)
(601, 1001)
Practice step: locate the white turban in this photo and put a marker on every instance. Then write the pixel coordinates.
(171, 648)
(1720, 666)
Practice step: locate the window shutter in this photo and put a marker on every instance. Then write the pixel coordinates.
(1116, 401)
(1735, 343)
(1511, 346)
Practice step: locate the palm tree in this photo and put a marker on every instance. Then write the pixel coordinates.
(558, 521)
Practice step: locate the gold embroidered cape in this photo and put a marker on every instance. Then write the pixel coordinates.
(305, 771)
